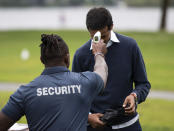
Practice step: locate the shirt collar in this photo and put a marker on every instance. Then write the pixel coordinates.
(56, 69)
(112, 40)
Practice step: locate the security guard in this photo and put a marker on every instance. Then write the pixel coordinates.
(57, 100)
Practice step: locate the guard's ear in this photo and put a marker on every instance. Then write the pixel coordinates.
(41, 60)
(67, 60)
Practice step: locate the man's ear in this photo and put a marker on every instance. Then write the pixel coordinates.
(67, 60)
(111, 27)
(41, 60)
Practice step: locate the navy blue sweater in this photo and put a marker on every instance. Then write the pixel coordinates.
(125, 67)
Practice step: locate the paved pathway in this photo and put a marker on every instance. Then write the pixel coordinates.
(153, 94)
(9, 86)
(167, 95)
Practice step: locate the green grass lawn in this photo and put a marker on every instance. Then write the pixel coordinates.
(155, 115)
(157, 49)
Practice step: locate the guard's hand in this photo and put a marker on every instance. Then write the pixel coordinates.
(94, 120)
(99, 47)
(130, 101)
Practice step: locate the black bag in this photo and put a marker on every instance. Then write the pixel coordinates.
(113, 116)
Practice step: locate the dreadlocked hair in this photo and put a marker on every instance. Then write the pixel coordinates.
(53, 47)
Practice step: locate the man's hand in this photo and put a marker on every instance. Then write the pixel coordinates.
(130, 101)
(94, 120)
(99, 47)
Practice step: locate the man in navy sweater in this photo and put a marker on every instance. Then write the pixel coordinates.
(127, 82)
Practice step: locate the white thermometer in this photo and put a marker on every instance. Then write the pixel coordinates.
(97, 37)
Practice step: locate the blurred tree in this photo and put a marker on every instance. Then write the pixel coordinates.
(76, 2)
(109, 2)
(146, 3)
(136, 3)
(139, 3)
(164, 7)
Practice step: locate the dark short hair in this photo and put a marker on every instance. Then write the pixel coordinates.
(53, 47)
(98, 18)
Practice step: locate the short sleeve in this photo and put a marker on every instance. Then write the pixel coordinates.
(99, 83)
(14, 109)
(95, 81)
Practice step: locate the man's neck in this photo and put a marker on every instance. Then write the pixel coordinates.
(55, 64)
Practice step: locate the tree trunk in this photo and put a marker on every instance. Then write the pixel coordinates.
(164, 7)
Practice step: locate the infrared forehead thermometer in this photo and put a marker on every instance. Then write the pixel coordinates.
(97, 37)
